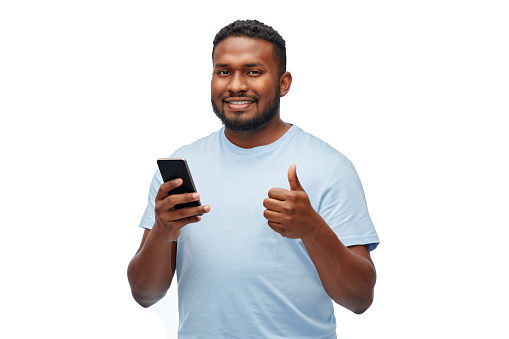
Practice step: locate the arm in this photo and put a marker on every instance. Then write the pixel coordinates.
(151, 270)
(347, 274)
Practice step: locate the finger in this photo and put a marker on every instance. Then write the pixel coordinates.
(186, 212)
(293, 179)
(278, 193)
(276, 227)
(178, 224)
(162, 193)
(272, 216)
(177, 199)
(273, 204)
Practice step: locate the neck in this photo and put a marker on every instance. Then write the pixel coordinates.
(263, 135)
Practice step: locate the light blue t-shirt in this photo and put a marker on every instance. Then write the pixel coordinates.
(237, 278)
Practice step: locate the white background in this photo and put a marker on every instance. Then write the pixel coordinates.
(415, 93)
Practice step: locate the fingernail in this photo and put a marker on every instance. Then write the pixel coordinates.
(206, 209)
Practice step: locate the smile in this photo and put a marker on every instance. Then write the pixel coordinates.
(240, 102)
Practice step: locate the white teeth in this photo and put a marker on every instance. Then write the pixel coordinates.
(240, 102)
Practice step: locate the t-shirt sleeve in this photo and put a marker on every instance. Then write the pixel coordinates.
(148, 219)
(343, 206)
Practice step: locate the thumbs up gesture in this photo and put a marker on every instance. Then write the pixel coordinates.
(289, 212)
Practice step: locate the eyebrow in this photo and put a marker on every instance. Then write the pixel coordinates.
(254, 64)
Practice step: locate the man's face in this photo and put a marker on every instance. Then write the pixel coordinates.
(245, 83)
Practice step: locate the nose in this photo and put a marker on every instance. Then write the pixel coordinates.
(238, 83)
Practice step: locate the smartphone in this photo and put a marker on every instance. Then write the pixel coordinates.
(174, 168)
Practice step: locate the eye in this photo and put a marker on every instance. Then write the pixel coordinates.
(254, 73)
(223, 72)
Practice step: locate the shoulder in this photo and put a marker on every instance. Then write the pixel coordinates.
(199, 146)
(319, 165)
(316, 147)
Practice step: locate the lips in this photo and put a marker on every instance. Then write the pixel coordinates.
(238, 103)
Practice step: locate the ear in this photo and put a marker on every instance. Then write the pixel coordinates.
(284, 83)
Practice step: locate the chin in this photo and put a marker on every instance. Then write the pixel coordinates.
(241, 123)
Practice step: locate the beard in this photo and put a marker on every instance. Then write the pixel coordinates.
(239, 124)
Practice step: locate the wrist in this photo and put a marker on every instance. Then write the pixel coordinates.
(162, 235)
(319, 231)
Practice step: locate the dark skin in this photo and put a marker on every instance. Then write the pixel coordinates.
(246, 73)
(151, 270)
(244, 68)
(347, 273)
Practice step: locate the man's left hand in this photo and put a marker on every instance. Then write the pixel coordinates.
(289, 212)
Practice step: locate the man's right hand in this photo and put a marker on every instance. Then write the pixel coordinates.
(169, 220)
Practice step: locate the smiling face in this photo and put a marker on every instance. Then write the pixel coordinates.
(245, 83)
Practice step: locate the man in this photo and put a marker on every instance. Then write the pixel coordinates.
(272, 248)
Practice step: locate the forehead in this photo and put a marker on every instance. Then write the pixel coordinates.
(242, 50)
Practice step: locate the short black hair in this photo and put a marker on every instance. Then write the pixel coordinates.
(258, 30)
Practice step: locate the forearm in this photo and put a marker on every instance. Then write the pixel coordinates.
(150, 272)
(347, 277)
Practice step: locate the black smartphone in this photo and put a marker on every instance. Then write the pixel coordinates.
(174, 168)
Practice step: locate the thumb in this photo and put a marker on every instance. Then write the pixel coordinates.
(293, 180)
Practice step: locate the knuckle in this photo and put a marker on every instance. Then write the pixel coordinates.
(162, 188)
(174, 183)
(158, 209)
(289, 209)
(182, 213)
(293, 196)
(171, 200)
